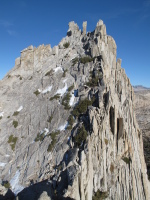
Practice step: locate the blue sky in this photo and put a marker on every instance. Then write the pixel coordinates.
(35, 22)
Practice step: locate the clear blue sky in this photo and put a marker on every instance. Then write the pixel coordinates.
(35, 22)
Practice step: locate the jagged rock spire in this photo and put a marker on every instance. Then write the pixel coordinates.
(73, 28)
(84, 27)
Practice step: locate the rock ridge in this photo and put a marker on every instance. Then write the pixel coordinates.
(67, 123)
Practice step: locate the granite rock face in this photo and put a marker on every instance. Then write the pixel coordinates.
(67, 118)
(142, 109)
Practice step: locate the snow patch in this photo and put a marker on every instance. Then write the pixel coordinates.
(58, 68)
(20, 108)
(14, 182)
(62, 91)
(63, 127)
(1, 114)
(46, 131)
(39, 90)
(69, 138)
(48, 89)
(2, 164)
(71, 103)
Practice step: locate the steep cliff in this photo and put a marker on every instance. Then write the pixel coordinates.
(142, 109)
(68, 125)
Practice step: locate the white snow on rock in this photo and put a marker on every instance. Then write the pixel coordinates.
(58, 68)
(71, 103)
(63, 127)
(39, 90)
(1, 114)
(45, 131)
(14, 182)
(74, 99)
(20, 108)
(48, 89)
(2, 164)
(62, 91)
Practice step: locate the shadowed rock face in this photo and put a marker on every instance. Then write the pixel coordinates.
(67, 124)
(142, 109)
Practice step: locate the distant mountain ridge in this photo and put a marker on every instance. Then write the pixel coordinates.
(140, 87)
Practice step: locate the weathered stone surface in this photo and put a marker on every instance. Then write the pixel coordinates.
(17, 62)
(100, 30)
(6, 194)
(55, 50)
(99, 148)
(3, 190)
(142, 109)
(73, 27)
(84, 28)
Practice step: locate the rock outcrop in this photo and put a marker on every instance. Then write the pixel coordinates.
(67, 118)
(6, 194)
(44, 196)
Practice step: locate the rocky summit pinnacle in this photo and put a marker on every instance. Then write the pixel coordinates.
(67, 123)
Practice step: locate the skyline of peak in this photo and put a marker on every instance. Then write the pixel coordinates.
(26, 23)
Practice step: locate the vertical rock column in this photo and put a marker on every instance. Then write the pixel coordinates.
(27, 60)
(84, 27)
